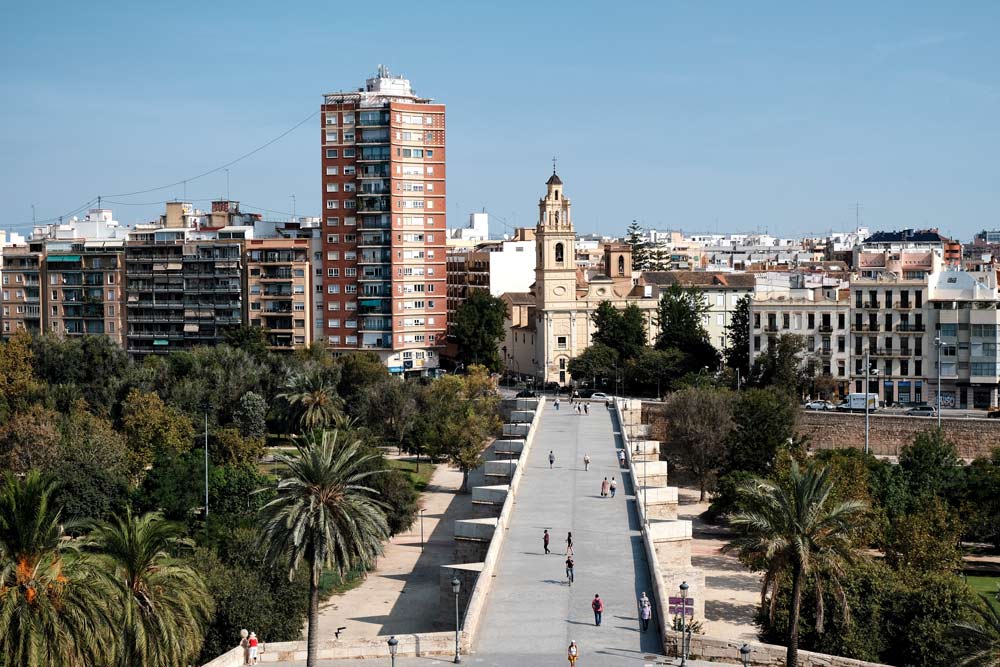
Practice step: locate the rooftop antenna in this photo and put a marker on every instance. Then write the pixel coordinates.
(553, 164)
(857, 215)
(32, 214)
(293, 207)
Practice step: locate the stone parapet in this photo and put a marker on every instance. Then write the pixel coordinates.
(515, 430)
(522, 416)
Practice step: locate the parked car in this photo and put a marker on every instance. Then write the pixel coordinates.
(994, 413)
(598, 396)
(820, 405)
(922, 411)
(584, 393)
(526, 393)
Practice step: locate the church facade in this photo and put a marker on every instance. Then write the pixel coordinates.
(551, 323)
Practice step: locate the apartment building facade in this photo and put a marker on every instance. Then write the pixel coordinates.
(71, 288)
(384, 223)
(279, 289)
(820, 316)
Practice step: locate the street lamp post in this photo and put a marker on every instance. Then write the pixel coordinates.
(422, 510)
(393, 646)
(456, 587)
(937, 343)
(684, 593)
(868, 373)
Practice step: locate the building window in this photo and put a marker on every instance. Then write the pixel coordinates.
(332, 222)
(561, 342)
(331, 153)
(332, 203)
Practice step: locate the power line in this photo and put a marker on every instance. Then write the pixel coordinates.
(184, 181)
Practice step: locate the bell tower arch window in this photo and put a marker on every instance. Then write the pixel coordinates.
(621, 265)
(559, 253)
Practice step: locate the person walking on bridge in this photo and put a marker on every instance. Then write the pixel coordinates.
(604, 487)
(572, 652)
(586, 461)
(645, 611)
(545, 540)
(569, 544)
(613, 487)
(598, 606)
(552, 458)
(621, 457)
(569, 569)
(586, 409)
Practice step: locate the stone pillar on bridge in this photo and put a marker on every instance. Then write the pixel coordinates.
(672, 541)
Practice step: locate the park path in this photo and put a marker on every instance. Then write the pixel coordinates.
(532, 613)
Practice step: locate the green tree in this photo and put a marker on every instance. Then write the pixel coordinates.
(659, 258)
(680, 317)
(478, 328)
(153, 429)
(53, 610)
(700, 421)
(654, 371)
(737, 352)
(622, 330)
(781, 365)
(764, 423)
(312, 401)
(926, 540)
(640, 248)
(388, 408)
(17, 379)
(794, 533)
(981, 633)
(251, 416)
(161, 606)
(596, 364)
(358, 371)
(229, 446)
(325, 516)
(252, 340)
(30, 439)
(95, 365)
(930, 465)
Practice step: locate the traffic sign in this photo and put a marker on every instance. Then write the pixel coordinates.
(687, 601)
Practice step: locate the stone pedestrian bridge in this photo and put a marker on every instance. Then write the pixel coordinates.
(515, 606)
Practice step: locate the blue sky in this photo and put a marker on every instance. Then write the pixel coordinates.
(697, 116)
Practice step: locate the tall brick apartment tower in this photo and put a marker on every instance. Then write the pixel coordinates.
(384, 286)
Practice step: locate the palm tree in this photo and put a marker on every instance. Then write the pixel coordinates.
(981, 635)
(161, 606)
(313, 401)
(796, 532)
(53, 609)
(323, 515)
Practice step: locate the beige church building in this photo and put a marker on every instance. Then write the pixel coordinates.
(551, 323)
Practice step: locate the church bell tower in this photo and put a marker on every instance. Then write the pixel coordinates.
(555, 245)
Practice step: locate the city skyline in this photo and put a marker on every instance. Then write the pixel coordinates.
(780, 122)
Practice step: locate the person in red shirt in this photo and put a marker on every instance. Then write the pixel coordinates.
(598, 606)
(253, 647)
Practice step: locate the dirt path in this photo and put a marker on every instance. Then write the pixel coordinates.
(733, 593)
(401, 595)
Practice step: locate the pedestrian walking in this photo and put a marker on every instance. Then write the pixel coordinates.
(545, 540)
(645, 611)
(245, 645)
(576, 408)
(598, 606)
(569, 569)
(552, 458)
(586, 409)
(572, 652)
(556, 404)
(604, 487)
(614, 487)
(253, 648)
(586, 461)
(621, 457)
(569, 544)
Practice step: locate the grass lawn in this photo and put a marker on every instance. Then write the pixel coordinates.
(987, 586)
(330, 582)
(420, 479)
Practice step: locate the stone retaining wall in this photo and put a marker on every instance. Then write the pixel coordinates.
(888, 433)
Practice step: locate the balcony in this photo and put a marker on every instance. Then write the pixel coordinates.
(373, 205)
(825, 328)
(907, 327)
(903, 305)
(373, 173)
(870, 305)
(826, 352)
(868, 327)
(771, 328)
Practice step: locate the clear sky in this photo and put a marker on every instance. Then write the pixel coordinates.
(699, 116)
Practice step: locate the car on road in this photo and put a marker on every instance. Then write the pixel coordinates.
(820, 405)
(525, 394)
(921, 411)
(598, 396)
